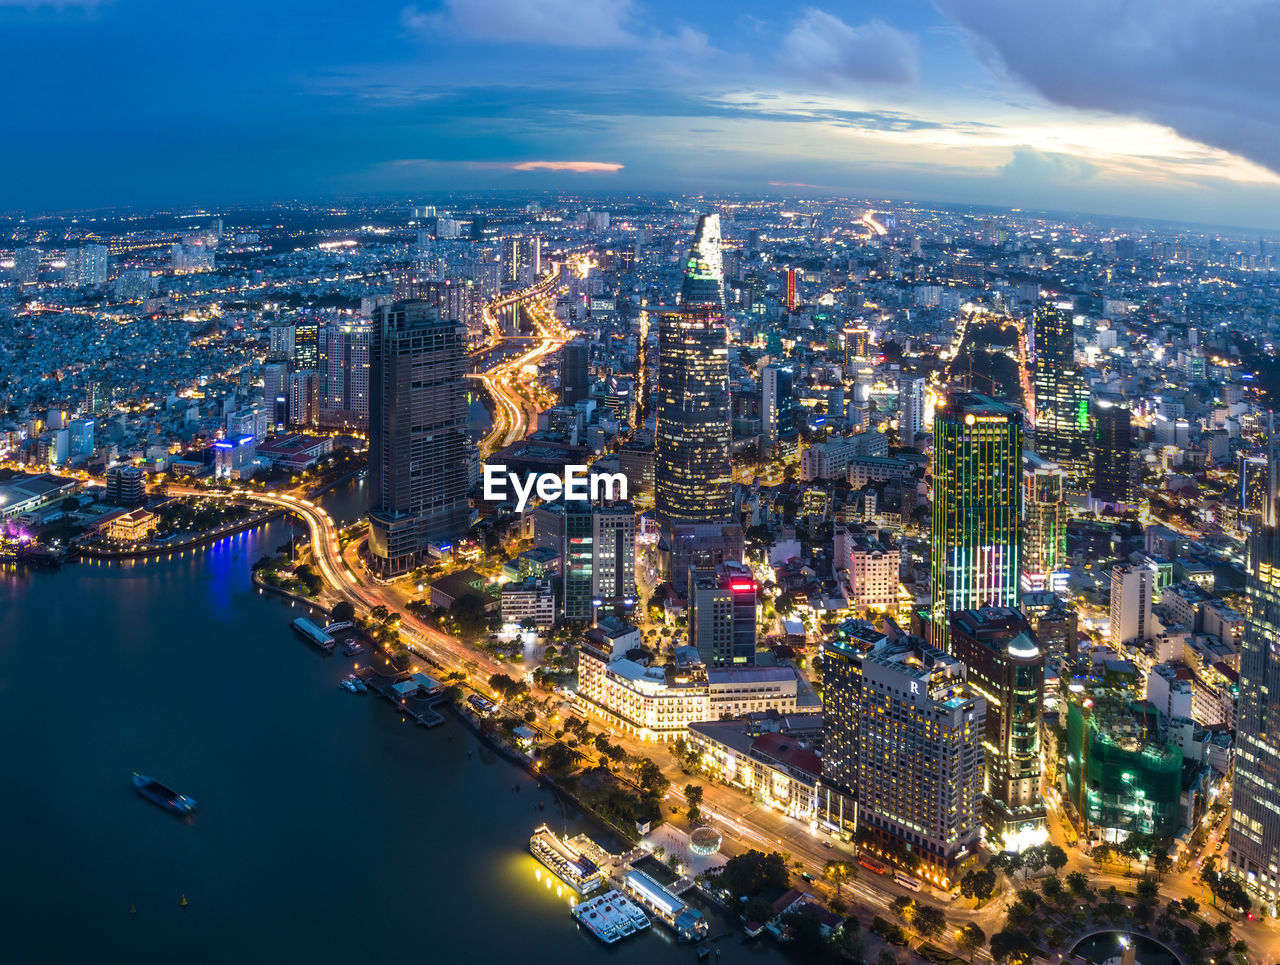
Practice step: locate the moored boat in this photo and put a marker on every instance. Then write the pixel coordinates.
(163, 795)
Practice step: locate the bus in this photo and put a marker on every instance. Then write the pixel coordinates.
(904, 879)
(871, 864)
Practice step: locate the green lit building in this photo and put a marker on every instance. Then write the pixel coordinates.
(977, 498)
(1122, 775)
(1061, 395)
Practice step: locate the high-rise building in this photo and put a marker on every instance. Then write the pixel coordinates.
(26, 265)
(792, 300)
(693, 481)
(306, 342)
(275, 393)
(598, 545)
(904, 732)
(722, 615)
(418, 444)
(1253, 483)
(856, 342)
(304, 398)
(575, 377)
(1044, 520)
(778, 407)
(82, 437)
(280, 342)
(1132, 595)
(1061, 395)
(1112, 453)
(1255, 822)
(344, 376)
(87, 266)
(911, 399)
(977, 498)
(1006, 666)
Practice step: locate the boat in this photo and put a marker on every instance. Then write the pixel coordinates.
(348, 683)
(354, 648)
(565, 861)
(361, 686)
(162, 795)
(610, 916)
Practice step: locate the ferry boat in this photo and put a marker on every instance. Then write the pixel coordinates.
(565, 861)
(162, 796)
(354, 648)
(610, 917)
(689, 924)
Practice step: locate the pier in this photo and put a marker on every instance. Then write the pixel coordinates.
(406, 692)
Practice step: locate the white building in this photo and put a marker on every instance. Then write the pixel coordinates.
(1132, 590)
(532, 599)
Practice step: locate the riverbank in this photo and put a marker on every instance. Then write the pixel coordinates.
(148, 550)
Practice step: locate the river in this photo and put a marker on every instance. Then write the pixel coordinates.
(327, 829)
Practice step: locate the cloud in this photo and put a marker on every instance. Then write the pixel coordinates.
(561, 23)
(1032, 165)
(824, 48)
(1206, 69)
(572, 167)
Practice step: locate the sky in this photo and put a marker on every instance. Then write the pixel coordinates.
(1135, 107)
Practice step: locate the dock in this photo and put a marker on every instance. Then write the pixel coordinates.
(410, 694)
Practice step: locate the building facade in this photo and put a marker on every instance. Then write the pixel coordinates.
(722, 615)
(1061, 395)
(977, 499)
(418, 442)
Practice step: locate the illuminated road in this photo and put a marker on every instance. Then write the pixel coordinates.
(515, 407)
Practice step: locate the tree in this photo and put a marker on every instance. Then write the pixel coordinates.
(971, 938)
(978, 884)
(1077, 882)
(757, 910)
(468, 614)
(378, 613)
(928, 920)
(1055, 857)
(693, 794)
(1033, 859)
(1011, 947)
(903, 907)
(1162, 863)
(650, 778)
(836, 872)
(342, 612)
(1148, 890)
(754, 873)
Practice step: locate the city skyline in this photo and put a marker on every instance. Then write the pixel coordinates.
(951, 103)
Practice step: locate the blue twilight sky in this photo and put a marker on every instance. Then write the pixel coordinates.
(1164, 108)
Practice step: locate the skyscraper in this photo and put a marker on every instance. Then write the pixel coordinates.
(1006, 666)
(977, 476)
(1112, 454)
(910, 408)
(1132, 595)
(275, 393)
(1255, 823)
(722, 615)
(344, 376)
(598, 545)
(1061, 395)
(418, 459)
(904, 732)
(692, 475)
(306, 342)
(778, 408)
(1044, 520)
(575, 379)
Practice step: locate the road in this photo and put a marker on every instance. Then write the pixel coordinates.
(515, 405)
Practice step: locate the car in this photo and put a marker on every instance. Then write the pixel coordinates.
(806, 876)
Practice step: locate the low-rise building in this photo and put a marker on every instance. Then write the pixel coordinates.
(530, 600)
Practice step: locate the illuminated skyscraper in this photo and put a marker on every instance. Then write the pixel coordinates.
(1006, 666)
(692, 478)
(1044, 520)
(1255, 822)
(418, 445)
(306, 342)
(778, 407)
(722, 615)
(344, 376)
(1062, 397)
(977, 483)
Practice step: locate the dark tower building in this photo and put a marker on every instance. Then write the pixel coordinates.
(1255, 822)
(977, 518)
(306, 343)
(1112, 454)
(418, 460)
(575, 384)
(693, 480)
(1062, 397)
(1005, 665)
